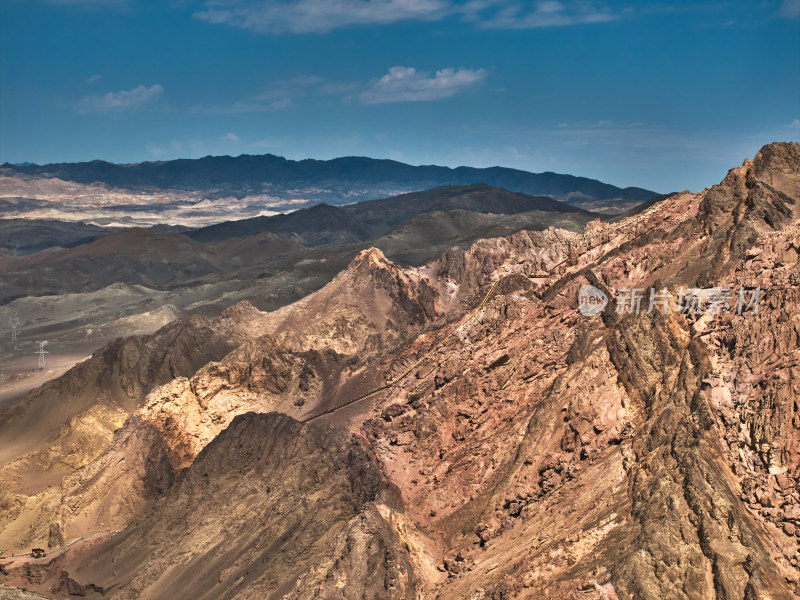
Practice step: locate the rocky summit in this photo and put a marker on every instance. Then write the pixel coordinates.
(470, 428)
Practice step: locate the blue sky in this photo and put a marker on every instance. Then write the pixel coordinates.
(666, 96)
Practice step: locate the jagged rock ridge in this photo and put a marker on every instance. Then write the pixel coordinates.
(540, 453)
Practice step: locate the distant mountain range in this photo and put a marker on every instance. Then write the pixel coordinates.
(412, 228)
(325, 224)
(337, 182)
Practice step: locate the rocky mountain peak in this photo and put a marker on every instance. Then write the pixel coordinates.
(372, 258)
(463, 430)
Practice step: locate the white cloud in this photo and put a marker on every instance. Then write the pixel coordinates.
(405, 84)
(548, 14)
(93, 78)
(232, 137)
(794, 124)
(400, 84)
(320, 16)
(790, 9)
(304, 16)
(120, 101)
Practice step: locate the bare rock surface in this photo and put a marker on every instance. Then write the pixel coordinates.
(523, 450)
(254, 514)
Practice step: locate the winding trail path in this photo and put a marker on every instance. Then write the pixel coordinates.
(59, 550)
(405, 373)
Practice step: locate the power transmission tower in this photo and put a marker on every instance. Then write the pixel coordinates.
(14, 322)
(41, 352)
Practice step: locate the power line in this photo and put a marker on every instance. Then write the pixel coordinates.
(14, 322)
(41, 352)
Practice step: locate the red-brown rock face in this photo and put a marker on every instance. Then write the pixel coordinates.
(537, 452)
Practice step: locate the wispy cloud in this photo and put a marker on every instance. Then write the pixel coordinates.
(548, 14)
(320, 16)
(304, 16)
(283, 94)
(607, 133)
(174, 148)
(790, 9)
(400, 84)
(93, 78)
(406, 84)
(90, 3)
(120, 101)
(250, 105)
